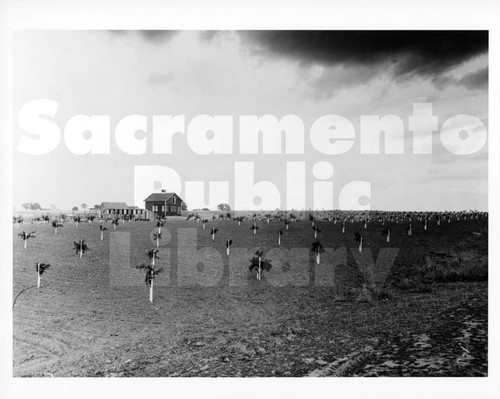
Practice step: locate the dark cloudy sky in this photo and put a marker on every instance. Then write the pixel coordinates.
(306, 73)
(424, 53)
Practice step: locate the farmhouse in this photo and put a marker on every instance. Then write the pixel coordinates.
(164, 204)
(120, 209)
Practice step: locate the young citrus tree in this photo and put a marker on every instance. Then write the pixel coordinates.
(18, 220)
(213, 232)
(40, 269)
(56, 224)
(152, 254)
(228, 244)
(317, 248)
(409, 230)
(151, 273)
(80, 247)
(157, 237)
(258, 264)
(359, 239)
(26, 236)
(103, 229)
(387, 232)
(160, 224)
(254, 228)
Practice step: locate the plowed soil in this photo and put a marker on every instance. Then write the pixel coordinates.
(85, 321)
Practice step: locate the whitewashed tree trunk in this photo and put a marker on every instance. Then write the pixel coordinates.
(361, 245)
(151, 291)
(388, 236)
(38, 278)
(25, 242)
(317, 257)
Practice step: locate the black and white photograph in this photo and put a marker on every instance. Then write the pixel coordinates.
(198, 204)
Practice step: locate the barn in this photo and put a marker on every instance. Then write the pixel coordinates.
(113, 208)
(121, 209)
(164, 204)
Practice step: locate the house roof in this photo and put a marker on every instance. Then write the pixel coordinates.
(114, 205)
(161, 197)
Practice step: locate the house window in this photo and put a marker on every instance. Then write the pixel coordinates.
(173, 199)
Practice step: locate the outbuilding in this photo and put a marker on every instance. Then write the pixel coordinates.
(122, 210)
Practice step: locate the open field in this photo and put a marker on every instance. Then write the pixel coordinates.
(92, 316)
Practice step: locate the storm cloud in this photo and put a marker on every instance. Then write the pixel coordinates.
(425, 53)
(475, 80)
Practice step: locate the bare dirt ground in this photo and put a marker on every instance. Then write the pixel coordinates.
(78, 324)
